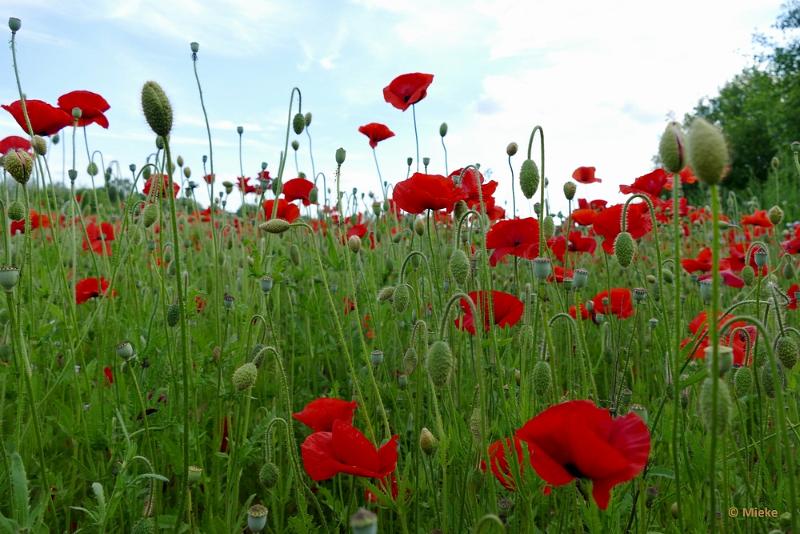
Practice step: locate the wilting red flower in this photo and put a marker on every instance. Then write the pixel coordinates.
(376, 132)
(100, 238)
(585, 175)
(154, 178)
(45, 119)
(407, 89)
(109, 374)
(620, 303)
(37, 221)
(320, 414)
(507, 310)
(298, 189)
(345, 450)
(13, 142)
(426, 192)
(651, 184)
(701, 263)
(576, 439)
(286, 210)
(90, 288)
(758, 218)
(517, 237)
(499, 463)
(92, 106)
(608, 223)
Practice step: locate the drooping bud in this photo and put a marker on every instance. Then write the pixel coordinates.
(769, 381)
(354, 244)
(528, 178)
(624, 249)
(294, 254)
(385, 293)
(786, 350)
(549, 227)
(742, 381)
(569, 190)
(307, 119)
(39, 145)
(672, 149)
(19, 164)
(245, 376)
(511, 149)
(460, 209)
(459, 266)
(409, 361)
(724, 404)
(419, 226)
(788, 269)
(298, 123)
(268, 475)
(439, 363)
(401, 297)
(707, 151)
(542, 378)
(149, 215)
(427, 441)
(295, 145)
(157, 109)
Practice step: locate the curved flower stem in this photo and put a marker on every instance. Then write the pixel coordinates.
(539, 129)
(311, 152)
(416, 135)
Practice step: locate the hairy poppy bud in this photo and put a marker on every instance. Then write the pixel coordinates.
(19, 165)
(385, 293)
(748, 275)
(92, 169)
(16, 211)
(307, 119)
(298, 123)
(742, 381)
(542, 378)
(39, 145)
(443, 129)
(549, 227)
(14, 24)
(149, 215)
(786, 350)
(257, 518)
(775, 215)
(672, 149)
(410, 360)
(459, 266)
(569, 190)
(475, 424)
(402, 294)
(528, 178)
(157, 109)
(275, 226)
(460, 209)
(624, 249)
(511, 149)
(268, 475)
(419, 226)
(788, 270)
(145, 525)
(439, 363)
(245, 376)
(341, 154)
(354, 244)
(708, 152)
(769, 381)
(724, 404)
(542, 268)
(295, 145)
(173, 314)
(294, 254)
(427, 441)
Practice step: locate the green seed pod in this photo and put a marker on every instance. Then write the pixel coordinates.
(775, 215)
(92, 169)
(624, 249)
(245, 376)
(724, 404)
(19, 164)
(528, 178)
(786, 350)
(427, 441)
(9, 277)
(294, 254)
(14, 24)
(542, 378)
(274, 226)
(268, 475)
(439, 363)
(748, 275)
(16, 211)
(354, 244)
(173, 314)
(743, 382)
(39, 145)
(549, 227)
(443, 129)
(145, 525)
(149, 215)
(401, 297)
(410, 360)
(672, 149)
(298, 123)
(459, 266)
(707, 151)
(341, 154)
(385, 293)
(511, 149)
(157, 109)
(667, 275)
(569, 190)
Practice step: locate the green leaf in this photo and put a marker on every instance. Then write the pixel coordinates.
(19, 490)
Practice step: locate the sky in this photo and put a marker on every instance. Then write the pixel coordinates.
(602, 78)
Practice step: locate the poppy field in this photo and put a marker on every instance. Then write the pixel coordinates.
(418, 357)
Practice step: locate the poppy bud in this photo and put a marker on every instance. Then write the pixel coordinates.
(542, 268)
(419, 226)
(157, 109)
(549, 227)
(39, 145)
(354, 244)
(245, 376)
(14, 24)
(385, 293)
(19, 165)
(671, 149)
(149, 215)
(460, 209)
(427, 441)
(295, 145)
(9, 277)
(769, 381)
(748, 275)
(364, 522)
(294, 254)
(707, 151)
(511, 149)
(194, 46)
(409, 360)
(268, 475)
(275, 226)
(187, 173)
(340, 155)
(579, 278)
(443, 129)
(775, 215)
(742, 381)
(542, 378)
(724, 404)
(528, 178)
(459, 266)
(91, 169)
(298, 123)
(569, 190)
(439, 363)
(402, 294)
(145, 525)
(16, 211)
(173, 314)
(624, 249)
(788, 270)
(786, 350)
(257, 518)
(307, 119)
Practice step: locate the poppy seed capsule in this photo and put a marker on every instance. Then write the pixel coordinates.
(19, 164)
(14, 24)
(245, 376)
(409, 161)
(707, 151)
(672, 148)
(298, 123)
(542, 268)
(786, 351)
(354, 244)
(400, 298)
(542, 378)
(376, 357)
(157, 109)
(788, 270)
(579, 278)
(307, 119)
(760, 256)
(195, 473)
(775, 215)
(16, 211)
(364, 522)
(748, 275)
(275, 226)
(528, 178)
(624, 249)
(257, 518)
(295, 145)
(9, 277)
(439, 363)
(569, 190)
(341, 154)
(459, 266)
(724, 404)
(511, 149)
(268, 475)
(742, 381)
(426, 161)
(125, 350)
(443, 129)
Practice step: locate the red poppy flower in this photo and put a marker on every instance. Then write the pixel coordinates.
(286, 210)
(576, 439)
(740, 336)
(298, 189)
(165, 183)
(37, 221)
(474, 188)
(584, 312)
(14, 142)
(557, 246)
(209, 179)
(607, 223)
(584, 217)
(585, 175)
(620, 303)
(792, 292)
(376, 132)
(92, 106)
(320, 414)
(100, 238)
(758, 218)
(597, 205)
(407, 89)
(499, 462)
(109, 374)
(517, 237)
(507, 310)
(345, 450)
(45, 119)
(559, 273)
(243, 184)
(701, 263)
(729, 278)
(651, 184)
(426, 192)
(90, 288)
